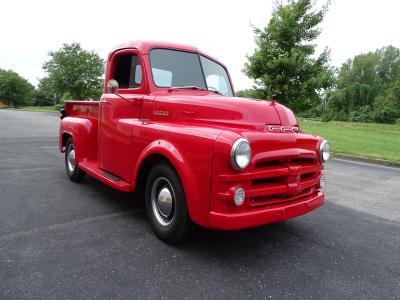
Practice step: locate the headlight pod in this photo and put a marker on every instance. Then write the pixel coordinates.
(324, 151)
(240, 154)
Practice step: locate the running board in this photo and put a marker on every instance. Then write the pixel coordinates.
(112, 176)
(93, 169)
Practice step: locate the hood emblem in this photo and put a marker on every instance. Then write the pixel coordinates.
(276, 128)
(160, 112)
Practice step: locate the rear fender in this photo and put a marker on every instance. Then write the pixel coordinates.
(84, 134)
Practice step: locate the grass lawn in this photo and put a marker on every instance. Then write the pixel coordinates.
(38, 108)
(379, 141)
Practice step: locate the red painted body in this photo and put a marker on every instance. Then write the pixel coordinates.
(125, 136)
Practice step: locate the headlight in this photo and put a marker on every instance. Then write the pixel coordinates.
(324, 151)
(240, 154)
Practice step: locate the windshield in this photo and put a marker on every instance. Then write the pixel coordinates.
(180, 69)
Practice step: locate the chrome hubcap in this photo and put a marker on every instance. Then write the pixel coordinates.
(163, 201)
(71, 159)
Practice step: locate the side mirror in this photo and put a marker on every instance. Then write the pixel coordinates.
(276, 95)
(63, 113)
(112, 86)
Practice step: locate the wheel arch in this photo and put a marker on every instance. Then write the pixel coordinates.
(64, 138)
(145, 167)
(163, 151)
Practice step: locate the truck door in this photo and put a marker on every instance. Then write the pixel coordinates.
(119, 115)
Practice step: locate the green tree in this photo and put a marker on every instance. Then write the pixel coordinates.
(368, 88)
(252, 93)
(284, 59)
(15, 90)
(46, 94)
(75, 72)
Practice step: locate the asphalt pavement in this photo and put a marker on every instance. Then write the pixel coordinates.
(59, 239)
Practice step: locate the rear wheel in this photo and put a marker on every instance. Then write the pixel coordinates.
(73, 171)
(166, 205)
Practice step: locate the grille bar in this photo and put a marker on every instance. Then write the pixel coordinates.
(271, 181)
(266, 173)
(263, 201)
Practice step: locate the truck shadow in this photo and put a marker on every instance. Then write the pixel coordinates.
(119, 201)
(331, 230)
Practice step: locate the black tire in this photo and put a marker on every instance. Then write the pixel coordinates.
(170, 220)
(73, 171)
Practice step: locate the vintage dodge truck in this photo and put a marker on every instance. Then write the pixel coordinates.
(169, 124)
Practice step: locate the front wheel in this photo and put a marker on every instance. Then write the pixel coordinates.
(166, 205)
(73, 171)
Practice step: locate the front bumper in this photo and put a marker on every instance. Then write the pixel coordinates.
(247, 219)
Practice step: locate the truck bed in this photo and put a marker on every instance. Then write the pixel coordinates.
(84, 109)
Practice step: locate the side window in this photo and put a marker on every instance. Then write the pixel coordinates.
(217, 82)
(216, 76)
(127, 71)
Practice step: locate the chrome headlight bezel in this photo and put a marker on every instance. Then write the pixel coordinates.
(324, 151)
(236, 147)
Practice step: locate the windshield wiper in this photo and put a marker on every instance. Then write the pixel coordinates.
(194, 87)
(214, 90)
(186, 87)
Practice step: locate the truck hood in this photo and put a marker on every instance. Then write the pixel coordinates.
(223, 111)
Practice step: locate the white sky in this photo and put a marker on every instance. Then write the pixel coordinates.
(29, 29)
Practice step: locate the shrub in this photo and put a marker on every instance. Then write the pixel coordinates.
(384, 115)
(314, 112)
(326, 117)
(363, 114)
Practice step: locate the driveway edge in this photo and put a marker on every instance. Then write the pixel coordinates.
(374, 161)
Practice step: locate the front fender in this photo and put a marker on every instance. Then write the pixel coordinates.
(197, 198)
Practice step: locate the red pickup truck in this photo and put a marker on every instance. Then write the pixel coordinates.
(169, 124)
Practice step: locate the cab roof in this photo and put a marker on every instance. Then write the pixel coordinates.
(145, 46)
